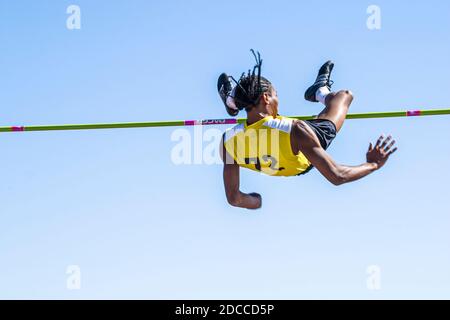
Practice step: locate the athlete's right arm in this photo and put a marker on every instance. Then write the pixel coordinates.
(235, 197)
(305, 141)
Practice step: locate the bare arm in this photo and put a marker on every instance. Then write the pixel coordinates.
(231, 181)
(337, 174)
(305, 141)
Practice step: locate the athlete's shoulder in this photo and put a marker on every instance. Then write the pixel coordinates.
(303, 135)
(281, 123)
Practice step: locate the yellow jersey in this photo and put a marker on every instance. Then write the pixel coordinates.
(265, 146)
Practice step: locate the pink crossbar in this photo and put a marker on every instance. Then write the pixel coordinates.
(209, 122)
(413, 113)
(17, 129)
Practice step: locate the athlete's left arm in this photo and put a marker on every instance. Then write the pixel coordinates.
(231, 181)
(305, 141)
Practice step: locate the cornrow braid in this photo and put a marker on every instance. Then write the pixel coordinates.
(251, 86)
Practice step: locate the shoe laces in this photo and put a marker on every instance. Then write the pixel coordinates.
(329, 83)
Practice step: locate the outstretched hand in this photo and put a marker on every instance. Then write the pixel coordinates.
(380, 153)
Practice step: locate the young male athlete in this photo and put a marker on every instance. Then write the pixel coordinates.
(282, 146)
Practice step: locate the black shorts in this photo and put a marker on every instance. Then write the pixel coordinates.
(325, 131)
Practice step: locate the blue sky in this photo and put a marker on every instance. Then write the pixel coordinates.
(138, 226)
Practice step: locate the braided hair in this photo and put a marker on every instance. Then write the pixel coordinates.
(251, 86)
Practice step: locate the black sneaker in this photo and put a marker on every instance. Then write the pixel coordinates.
(225, 88)
(322, 80)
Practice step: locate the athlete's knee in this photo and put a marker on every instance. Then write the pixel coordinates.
(348, 94)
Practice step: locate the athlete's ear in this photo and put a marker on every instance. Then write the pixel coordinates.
(266, 97)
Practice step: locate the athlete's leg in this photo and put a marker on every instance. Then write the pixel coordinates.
(336, 103)
(336, 107)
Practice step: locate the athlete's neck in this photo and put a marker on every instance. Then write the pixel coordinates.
(253, 117)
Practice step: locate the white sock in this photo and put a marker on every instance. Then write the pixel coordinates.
(321, 94)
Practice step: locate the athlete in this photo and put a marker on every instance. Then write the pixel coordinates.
(282, 146)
